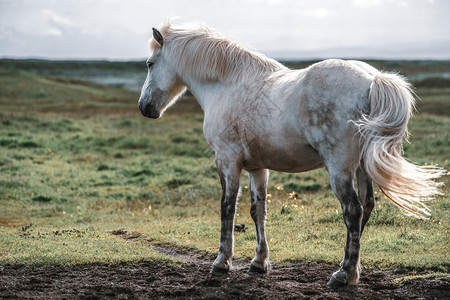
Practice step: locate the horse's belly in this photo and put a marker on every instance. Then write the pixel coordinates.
(293, 158)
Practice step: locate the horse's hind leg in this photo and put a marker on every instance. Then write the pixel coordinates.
(258, 190)
(342, 185)
(365, 194)
(229, 174)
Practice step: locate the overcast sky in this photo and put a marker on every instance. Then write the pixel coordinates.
(295, 29)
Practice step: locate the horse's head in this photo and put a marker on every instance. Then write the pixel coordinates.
(163, 86)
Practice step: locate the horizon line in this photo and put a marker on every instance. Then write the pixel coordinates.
(281, 59)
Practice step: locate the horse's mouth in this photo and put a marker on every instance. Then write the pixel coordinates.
(149, 111)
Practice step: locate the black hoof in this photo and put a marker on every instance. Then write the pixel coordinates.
(216, 270)
(256, 270)
(337, 280)
(334, 284)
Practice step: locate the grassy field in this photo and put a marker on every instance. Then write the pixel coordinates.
(77, 160)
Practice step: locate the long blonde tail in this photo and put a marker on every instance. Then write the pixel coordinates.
(407, 185)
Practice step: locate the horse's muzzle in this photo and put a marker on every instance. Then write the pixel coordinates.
(149, 111)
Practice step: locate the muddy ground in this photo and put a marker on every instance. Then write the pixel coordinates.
(158, 280)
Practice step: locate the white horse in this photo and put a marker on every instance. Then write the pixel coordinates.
(345, 116)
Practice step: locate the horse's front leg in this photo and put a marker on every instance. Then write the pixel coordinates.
(258, 190)
(229, 178)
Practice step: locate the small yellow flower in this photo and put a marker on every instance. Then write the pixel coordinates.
(269, 195)
(293, 195)
(50, 152)
(280, 187)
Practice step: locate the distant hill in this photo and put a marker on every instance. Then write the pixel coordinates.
(131, 75)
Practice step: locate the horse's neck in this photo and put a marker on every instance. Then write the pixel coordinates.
(210, 94)
(206, 93)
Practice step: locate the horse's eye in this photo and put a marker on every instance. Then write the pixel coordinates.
(150, 64)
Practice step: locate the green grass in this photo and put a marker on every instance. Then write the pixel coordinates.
(78, 160)
(405, 279)
(70, 247)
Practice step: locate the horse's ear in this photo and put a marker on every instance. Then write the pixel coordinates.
(158, 36)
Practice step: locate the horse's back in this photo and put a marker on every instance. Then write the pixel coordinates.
(334, 76)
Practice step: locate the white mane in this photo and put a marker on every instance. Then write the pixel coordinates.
(204, 54)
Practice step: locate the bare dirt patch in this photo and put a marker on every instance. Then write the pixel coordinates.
(156, 280)
(192, 280)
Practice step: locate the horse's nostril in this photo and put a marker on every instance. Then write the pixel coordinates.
(143, 107)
